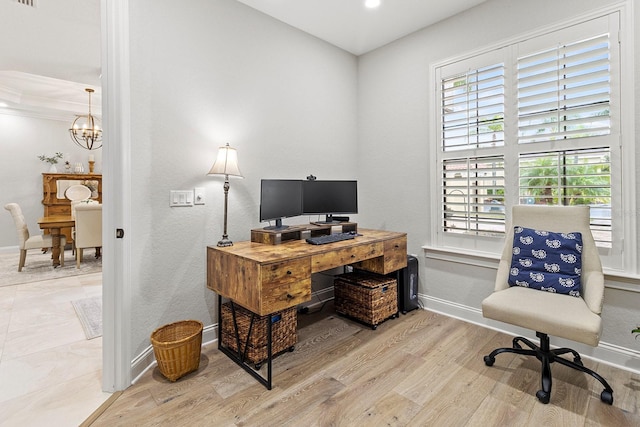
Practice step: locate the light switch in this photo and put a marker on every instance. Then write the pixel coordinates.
(199, 196)
(181, 198)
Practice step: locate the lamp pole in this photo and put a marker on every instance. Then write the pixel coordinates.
(225, 237)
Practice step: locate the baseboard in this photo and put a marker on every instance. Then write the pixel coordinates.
(610, 354)
(147, 360)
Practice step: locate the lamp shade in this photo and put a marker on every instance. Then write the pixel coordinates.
(226, 163)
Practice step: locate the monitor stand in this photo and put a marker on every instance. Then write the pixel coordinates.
(328, 220)
(278, 226)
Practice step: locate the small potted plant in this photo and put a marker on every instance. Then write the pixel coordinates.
(53, 160)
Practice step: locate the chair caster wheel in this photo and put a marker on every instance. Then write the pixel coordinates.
(293, 347)
(607, 397)
(489, 361)
(257, 366)
(543, 396)
(374, 327)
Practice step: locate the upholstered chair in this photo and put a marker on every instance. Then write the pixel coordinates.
(26, 241)
(77, 192)
(559, 306)
(88, 229)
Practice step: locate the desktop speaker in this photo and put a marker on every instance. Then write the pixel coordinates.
(408, 285)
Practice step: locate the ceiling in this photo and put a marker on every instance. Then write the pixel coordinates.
(349, 25)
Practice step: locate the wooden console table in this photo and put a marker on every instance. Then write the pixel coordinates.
(266, 278)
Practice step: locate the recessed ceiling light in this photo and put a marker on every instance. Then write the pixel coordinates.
(372, 4)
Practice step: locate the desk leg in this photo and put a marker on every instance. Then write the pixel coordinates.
(55, 255)
(239, 358)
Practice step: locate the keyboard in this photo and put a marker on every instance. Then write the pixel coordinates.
(330, 238)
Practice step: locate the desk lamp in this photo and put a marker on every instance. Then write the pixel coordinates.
(226, 164)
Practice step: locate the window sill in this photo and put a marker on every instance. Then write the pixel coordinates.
(623, 280)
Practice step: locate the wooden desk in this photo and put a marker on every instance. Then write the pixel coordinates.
(266, 278)
(54, 224)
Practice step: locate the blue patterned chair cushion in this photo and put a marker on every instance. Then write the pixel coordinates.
(546, 261)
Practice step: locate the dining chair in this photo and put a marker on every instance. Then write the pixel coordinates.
(88, 229)
(77, 192)
(26, 241)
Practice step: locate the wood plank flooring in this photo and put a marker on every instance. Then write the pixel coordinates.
(423, 369)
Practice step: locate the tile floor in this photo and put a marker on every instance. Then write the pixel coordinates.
(50, 374)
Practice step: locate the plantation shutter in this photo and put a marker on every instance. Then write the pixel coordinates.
(571, 178)
(564, 92)
(472, 113)
(473, 194)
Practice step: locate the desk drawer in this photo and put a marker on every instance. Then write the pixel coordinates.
(395, 257)
(285, 284)
(280, 296)
(338, 258)
(286, 271)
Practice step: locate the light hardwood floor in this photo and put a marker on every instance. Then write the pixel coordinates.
(50, 374)
(423, 369)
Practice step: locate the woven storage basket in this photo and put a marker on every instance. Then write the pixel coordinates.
(283, 332)
(177, 348)
(367, 297)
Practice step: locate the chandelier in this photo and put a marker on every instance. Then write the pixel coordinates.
(85, 130)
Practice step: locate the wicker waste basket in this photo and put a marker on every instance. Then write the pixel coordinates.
(177, 348)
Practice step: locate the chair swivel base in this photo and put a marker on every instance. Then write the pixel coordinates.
(547, 356)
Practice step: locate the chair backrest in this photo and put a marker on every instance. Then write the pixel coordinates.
(75, 203)
(88, 225)
(561, 219)
(77, 192)
(20, 223)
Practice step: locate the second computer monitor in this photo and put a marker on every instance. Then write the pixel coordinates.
(329, 197)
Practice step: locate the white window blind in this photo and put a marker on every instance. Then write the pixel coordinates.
(571, 177)
(473, 195)
(473, 109)
(564, 92)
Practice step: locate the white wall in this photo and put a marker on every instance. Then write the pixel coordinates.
(393, 149)
(203, 75)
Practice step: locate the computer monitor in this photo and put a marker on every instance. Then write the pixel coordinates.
(329, 197)
(280, 198)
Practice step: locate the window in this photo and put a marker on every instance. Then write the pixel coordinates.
(569, 178)
(533, 122)
(473, 109)
(473, 195)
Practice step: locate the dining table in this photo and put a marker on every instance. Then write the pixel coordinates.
(54, 224)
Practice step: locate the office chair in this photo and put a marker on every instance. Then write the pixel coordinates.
(528, 290)
(26, 241)
(88, 230)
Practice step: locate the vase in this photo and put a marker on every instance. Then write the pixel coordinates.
(53, 169)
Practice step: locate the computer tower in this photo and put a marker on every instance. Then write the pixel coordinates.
(408, 286)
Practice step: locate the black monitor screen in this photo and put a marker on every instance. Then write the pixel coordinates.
(280, 198)
(329, 197)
